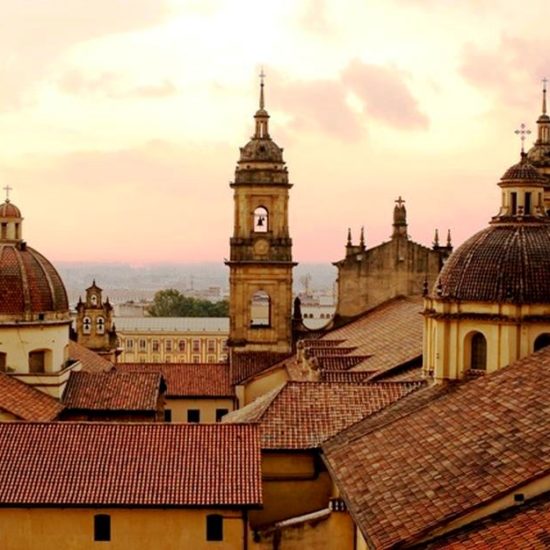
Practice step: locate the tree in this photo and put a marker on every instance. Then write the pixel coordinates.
(172, 303)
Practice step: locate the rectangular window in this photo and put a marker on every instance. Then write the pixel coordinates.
(211, 359)
(129, 344)
(211, 347)
(181, 345)
(168, 359)
(214, 527)
(196, 345)
(155, 345)
(196, 359)
(167, 415)
(514, 197)
(220, 413)
(193, 415)
(102, 527)
(527, 203)
(142, 344)
(168, 344)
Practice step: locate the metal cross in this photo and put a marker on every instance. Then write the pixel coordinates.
(7, 189)
(400, 201)
(523, 132)
(262, 76)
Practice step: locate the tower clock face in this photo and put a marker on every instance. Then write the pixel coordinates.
(261, 246)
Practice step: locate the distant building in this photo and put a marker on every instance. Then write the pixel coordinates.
(172, 339)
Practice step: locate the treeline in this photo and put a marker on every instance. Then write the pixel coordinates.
(172, 303)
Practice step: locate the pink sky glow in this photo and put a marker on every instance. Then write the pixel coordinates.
(121, 120)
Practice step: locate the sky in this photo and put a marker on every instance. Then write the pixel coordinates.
(121, 120)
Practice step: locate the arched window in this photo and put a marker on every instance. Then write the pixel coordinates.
(93, 299)
(542, 341)
(260, 309)
(100, 325)
(478, 352)
(261, 220)
(86, 325)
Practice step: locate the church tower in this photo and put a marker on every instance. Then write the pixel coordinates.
(260, 264)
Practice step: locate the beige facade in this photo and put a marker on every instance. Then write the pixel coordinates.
(209, 409)
(172, 339)
(260, 265)
(399, 267)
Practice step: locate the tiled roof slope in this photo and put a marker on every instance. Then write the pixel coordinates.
(301, 415)
(91, 361)
(188, 379)
(391, 333)
(249, 363)
(465, 448)
(112, 391)
(116, 464)
(502, 263)
(524, 527)
(26, 402)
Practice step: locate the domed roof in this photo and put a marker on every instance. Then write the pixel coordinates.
(502, 263)
(9, 210)
(523, 171)
(29, 284)
(264, 150)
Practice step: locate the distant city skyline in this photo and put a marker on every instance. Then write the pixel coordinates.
(120, 127)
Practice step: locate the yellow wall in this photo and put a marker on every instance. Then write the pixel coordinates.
(294, 483)
(7, 417)
(264, 383)
(207, 408)
(131, 529)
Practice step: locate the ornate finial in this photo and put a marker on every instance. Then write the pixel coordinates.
(7, 189)
(523, 132)
(449, 243)
(349, 236)
(544, 82)
(400, 202)
(262, 76)
(436, 238)
(362, 241)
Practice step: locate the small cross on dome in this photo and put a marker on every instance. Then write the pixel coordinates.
(7, 189)
(523, 132)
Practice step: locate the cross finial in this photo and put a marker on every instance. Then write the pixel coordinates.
(544, 82)
(7, 189)
(400, 202)
(523, 132)
(262, 76)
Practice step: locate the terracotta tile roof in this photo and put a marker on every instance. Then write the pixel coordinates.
(91, 361)
(116, 464)
(113, 391)
(326, 343)
(454, 453)
(188, 379)
(391, 334)
(25, 402)
(301, 415)
(345, 376)
(340, 362)
(314, 351)
(502, 263)
(526, 526)
(247, 364)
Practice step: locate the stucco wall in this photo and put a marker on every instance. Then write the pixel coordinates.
(207, 407)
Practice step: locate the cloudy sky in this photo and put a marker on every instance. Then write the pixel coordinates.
(120, 120)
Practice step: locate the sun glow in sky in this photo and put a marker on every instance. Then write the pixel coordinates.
(121, 120)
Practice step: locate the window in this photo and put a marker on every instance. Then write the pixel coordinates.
(167, 415)
(514, 197)
(220, 413)
(86, 325)
(168, 359)
(100, 325)
(181, 345)
(260, 309)
(542, 341)
(37, 361)
(261, 219)
(193, 415)
(102, 527)
(214, 527)
(196, 345)
(4, 231)
(168, 345)
(211, 346)
(130, 344)
(3, 365)
(143, 344)
(478, 352)
(211, 359)
(94, 299)
(527, 203)
(155, 345)
(196, 359)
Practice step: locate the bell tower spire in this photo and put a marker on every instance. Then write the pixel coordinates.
(260, 264)
(543, 122)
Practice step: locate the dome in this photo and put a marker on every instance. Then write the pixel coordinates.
(29, 284)
(264, 150)
(523, 171)
(9, 210)
(503, 263)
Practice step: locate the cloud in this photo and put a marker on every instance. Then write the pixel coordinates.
(508, 70)
(111, 85)
(314, 18)
(385, 95)
(35, 34)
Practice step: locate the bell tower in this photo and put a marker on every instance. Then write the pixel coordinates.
(260, 265)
